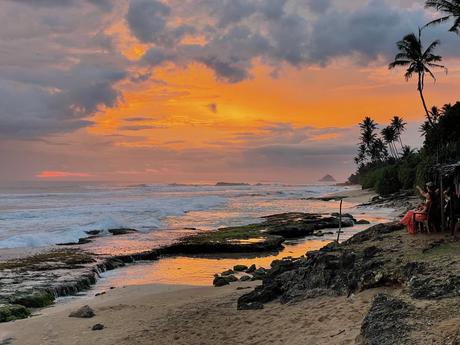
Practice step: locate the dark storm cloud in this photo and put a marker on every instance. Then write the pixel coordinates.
(148, 19)
(57, 68)
(280, 32)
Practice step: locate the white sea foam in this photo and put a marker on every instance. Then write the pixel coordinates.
(34, 217)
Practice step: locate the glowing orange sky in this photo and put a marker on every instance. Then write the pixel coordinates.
(179, 121)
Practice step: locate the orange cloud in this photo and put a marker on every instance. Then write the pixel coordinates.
(61, 174)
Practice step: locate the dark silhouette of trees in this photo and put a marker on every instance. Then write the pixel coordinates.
(417, 61)
(451, 11)
(399, 126)
(389, 137)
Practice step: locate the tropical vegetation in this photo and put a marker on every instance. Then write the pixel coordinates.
(384, 162)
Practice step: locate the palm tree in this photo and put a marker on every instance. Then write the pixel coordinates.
(389, 136)
(399, 126)
(368, 127)
(367, 147)
(417, 60)
(378, 150)
(451, 9)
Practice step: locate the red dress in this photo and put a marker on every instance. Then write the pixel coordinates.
(408, 220)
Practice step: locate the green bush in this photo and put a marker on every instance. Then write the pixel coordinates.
(388, 181)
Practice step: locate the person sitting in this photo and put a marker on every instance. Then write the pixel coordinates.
(420, 214)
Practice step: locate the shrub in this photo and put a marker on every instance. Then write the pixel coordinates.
(388, 181)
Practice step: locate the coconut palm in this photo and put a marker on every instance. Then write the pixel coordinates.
(389, 137)
(378, 150)
(368, 135)
(399, 126)
(450, 9)
(418, 61)
(367, 147)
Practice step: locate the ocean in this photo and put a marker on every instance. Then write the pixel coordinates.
(43, 214)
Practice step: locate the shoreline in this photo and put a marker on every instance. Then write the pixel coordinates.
(175, 314)
(122, 293)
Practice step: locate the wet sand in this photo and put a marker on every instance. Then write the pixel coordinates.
(162, 314)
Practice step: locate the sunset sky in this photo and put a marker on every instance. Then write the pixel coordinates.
(204, 90)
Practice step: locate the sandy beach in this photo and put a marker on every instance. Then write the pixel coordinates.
(193, 315)
(177, 314)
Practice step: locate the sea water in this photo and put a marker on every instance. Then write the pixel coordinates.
(43, 214)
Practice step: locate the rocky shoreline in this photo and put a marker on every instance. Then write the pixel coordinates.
(422, 273)
(36, 281)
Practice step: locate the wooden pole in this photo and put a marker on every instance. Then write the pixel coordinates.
(340, 221)
(443, 221)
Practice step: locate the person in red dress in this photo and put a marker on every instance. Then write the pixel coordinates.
(420, 214)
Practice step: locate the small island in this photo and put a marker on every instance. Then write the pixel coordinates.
(328, 178)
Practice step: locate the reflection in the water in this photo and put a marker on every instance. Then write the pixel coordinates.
(197, 271)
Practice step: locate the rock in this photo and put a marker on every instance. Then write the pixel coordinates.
(251, 269)
(84, 312)
(245, 278)
(37, 299)
(362, 222)
(231, 278)
(433, 285)
(240, 268)
(344, 216)
(118, 232)
(336, 269)
(224, 280)
(386, 323)
(227, 273)
(98, 327)
(10, 312)
(220, 281)
(259, 274)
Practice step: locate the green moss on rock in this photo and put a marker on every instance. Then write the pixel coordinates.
(10, 312)
(37, 299)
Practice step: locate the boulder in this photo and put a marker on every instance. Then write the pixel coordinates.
(362, 222)
(240, 268)
(245, 278)
(84, 312)
(224, 280)
(220, 281)
(259, 274)
(227, 273)
(251, 269)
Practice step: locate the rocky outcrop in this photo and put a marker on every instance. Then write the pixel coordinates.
(387, 322)
(373, 258)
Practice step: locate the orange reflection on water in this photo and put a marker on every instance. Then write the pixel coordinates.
(197, 271)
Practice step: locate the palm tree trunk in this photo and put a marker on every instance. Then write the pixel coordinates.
(420, 90)
(396, 151)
